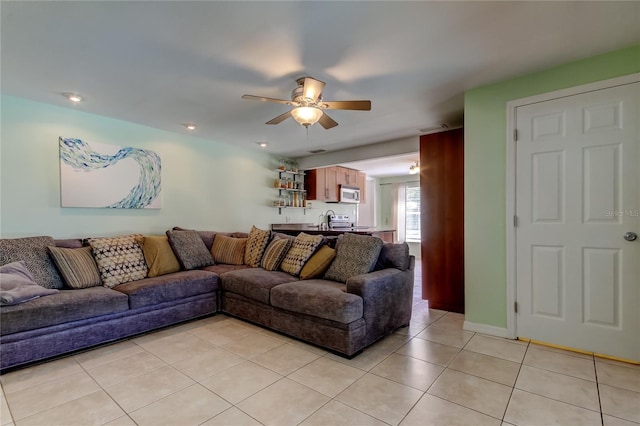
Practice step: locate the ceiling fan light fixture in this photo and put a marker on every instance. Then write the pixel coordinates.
(306, 115)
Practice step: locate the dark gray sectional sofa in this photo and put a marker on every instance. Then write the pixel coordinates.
(343, 318)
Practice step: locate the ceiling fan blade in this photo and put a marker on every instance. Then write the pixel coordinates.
(263, 99)
(354, 105)
(312, 88)
(326, 121)
(279, 119)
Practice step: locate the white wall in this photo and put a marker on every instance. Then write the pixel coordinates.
(205, 184)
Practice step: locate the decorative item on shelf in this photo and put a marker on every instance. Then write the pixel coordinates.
(277, 183)
(281, 164)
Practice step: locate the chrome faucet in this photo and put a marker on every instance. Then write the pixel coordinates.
(327, 222)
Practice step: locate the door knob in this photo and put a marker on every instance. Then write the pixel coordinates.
(630, 236)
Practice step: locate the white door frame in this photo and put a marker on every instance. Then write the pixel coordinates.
(512, 331)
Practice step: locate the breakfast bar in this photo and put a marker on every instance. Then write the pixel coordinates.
(385, 234)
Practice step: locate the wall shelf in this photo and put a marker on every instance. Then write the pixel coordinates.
(298, 193)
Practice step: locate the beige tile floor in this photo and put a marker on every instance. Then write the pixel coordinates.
(223, 371)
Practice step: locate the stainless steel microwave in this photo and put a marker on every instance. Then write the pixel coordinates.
(349, 194)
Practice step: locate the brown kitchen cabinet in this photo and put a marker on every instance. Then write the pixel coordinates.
(345, 176)
(322, 184)
(386, 236)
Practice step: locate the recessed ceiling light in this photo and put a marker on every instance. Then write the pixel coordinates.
(190, 126)
(262, 144)
(73, 97)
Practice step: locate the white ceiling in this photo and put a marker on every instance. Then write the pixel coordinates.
(162, 64)
(397, 165)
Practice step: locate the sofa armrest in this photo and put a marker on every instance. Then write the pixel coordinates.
(387, 297)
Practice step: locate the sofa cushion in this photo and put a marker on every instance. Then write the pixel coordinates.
(355, 255)
(33, 250)
(119, 259)
(69, 243)
(223, 269)
(301, 250)
(228, 250)
(65, 306)
(17, 285)
(209, 236)
(189, 249)
(77, 266)
(256, 244)
(318, 298)
(275, 253)
(168, 288)
(254, 283)
(159, 256)
(393, 256)
(318, 264)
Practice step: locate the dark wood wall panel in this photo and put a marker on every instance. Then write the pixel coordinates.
(442, 219)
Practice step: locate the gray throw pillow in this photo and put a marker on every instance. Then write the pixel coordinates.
(355, 255)
(189, 248)
(393, 256)
(34, 252)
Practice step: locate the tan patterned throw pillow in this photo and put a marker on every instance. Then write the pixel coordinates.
(275, 253)
(119, 259)
(301, 250)
(77, 266)
(256, 244)
(228, 250)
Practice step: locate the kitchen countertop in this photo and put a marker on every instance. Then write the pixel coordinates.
(312, 229)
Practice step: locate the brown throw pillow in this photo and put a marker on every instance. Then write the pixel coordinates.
(77, 266)
(228, 250)
(256, 244)
(275, 253)
(159, 256)
(318, 264)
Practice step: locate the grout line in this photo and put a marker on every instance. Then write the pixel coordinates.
(595, 370)
(515, 382)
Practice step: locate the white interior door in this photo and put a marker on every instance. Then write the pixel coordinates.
(577, 195)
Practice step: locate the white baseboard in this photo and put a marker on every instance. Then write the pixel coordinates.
(491, 330)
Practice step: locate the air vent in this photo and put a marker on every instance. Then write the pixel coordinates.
(441, 126)
(317, 151)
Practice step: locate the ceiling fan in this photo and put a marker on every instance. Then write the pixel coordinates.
(309, 105)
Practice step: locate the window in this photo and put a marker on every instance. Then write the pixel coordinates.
(412, 212)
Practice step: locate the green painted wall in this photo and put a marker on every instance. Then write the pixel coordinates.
(485, 172)
(205, 184)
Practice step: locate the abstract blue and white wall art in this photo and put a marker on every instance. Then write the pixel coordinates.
(108, 176)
